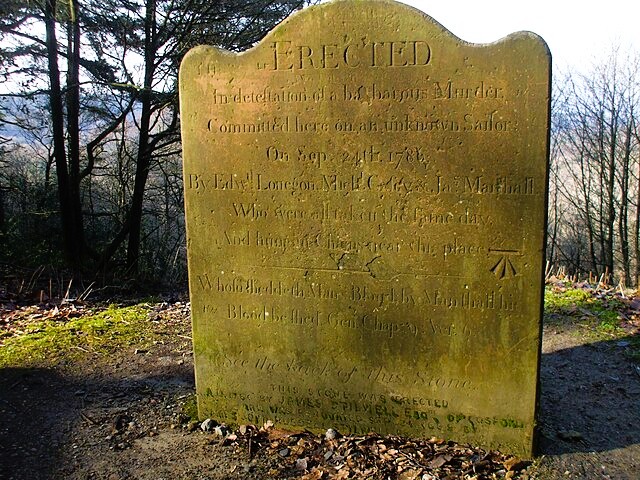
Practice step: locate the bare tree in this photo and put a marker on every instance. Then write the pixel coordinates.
(597, 156)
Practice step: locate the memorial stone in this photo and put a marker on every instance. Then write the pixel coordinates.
(365, 198)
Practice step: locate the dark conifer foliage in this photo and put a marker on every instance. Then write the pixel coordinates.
(89, 107)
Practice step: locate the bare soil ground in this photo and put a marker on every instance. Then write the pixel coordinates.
(127, 416)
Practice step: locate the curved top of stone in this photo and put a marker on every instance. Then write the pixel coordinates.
(354, 20)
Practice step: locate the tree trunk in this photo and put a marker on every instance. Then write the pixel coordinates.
(553, 227)
(636, 234)
(611, 179)
(73, 128)
(144, 153)
(586, 193)
(3, 225)
(59, 151)
(623, 220)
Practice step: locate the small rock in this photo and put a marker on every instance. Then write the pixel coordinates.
(193, 426)
(267, 425)
(331, 434)
(284, 452)
(328, 454)
(301, 464)
(121, 422)
(515, 464)
(440, 460)
(208, 425)
(243, 429)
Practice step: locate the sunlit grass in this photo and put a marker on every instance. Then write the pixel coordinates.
(51, 341)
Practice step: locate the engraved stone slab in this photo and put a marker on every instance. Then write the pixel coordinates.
(365, 198)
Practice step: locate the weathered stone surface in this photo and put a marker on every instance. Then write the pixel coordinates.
(365, 198)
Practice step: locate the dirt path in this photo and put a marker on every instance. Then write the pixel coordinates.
(590, 408)
(125, 417)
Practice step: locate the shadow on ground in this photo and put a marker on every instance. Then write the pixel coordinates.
(50, 424)
(41, 411)
(590, 398)
(35, 405)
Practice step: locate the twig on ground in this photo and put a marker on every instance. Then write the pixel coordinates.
(88, 418)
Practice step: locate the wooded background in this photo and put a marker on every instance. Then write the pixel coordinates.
(90, 166)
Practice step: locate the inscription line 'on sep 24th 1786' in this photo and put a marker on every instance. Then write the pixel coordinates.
(365, 200)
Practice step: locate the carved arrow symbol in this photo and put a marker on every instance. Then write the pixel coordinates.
(504, 268)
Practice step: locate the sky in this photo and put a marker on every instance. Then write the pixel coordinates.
(578, 32)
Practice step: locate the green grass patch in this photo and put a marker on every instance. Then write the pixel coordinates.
(190, 408)
(581, 307)
(49, 342)
(608, 319)
(595, 317)
(562, 301)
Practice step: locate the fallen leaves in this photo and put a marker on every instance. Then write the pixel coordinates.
(308, 456)
(17, 320)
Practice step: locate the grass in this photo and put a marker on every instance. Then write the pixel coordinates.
(561, 301)
(600, 314)
(50, 342)
(190, 408)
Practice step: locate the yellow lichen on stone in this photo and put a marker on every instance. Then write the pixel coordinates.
(365, 198)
